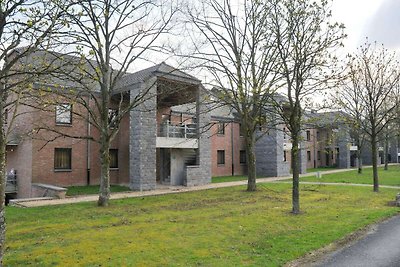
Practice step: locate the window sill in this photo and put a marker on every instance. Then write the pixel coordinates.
(64, 124)
(62, 170)
(243, 164)
(221, 135)
(221, 165)
(114, 169)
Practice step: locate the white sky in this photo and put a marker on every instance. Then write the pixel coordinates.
(379, 20)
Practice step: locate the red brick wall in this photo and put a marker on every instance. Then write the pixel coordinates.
(224, 142)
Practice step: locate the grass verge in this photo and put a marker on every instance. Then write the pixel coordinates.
(223, 179)
(93, 189)
(321, 169)
(219, 227)
(389, 177)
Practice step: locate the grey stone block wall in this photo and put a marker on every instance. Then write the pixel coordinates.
(142, 143)
(394, 150)
(269, 155)
(343, 138)
(203, 131)
(194, 175)
(366, 154)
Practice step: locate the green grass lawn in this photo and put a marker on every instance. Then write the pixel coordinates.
(219, 227)
(321, 169)
(223, 179)
(93, 189)
(389, 177)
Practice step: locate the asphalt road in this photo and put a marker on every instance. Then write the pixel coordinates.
(378, 248)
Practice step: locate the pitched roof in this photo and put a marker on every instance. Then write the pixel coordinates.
(159, 70)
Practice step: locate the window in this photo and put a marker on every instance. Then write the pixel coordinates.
(284, 156)
(221, 157)
(284, 133)
(221, 128)
(319, 155)
(112, 115)
(240, 130)
(308, 135)
(309, 155)
(62, 159)
(64, 114)
(242, 156)
(318, 136)
(113, 158)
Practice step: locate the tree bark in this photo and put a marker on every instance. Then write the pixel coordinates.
(359, 164)
(358, 154)
(3, 182)
(251, 162)
(296, 174)
(104, 194)
(374, 151)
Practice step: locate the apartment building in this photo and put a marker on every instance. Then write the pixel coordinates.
(175, 137)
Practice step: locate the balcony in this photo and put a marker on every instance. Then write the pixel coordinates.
(177, 135)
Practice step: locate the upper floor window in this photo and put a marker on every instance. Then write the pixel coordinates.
(221, 128)
(318, 136)
(308, 135)
(240, 130)
(64, 114)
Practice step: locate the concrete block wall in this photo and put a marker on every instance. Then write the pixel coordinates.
(204, 134)
(143, 134)
(343, 138)
(269, 155)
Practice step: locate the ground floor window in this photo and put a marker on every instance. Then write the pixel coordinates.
(221, 157)
(284, 156)
(62, 158)
(309, 155)
(113, 158)
(242, 156)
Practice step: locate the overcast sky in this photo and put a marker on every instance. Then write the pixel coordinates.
(379, 20)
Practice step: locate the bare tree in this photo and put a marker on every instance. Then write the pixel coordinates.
(240, 57)
(108, 38)
(305, 38)
(375, 71)
(347, 97)
(26, 24)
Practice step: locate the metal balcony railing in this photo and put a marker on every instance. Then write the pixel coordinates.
(187, 131)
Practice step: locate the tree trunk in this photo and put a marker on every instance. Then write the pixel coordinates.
(251, 162)
(374, 151)
(104, 194)
(296, 174)
(3, 182)
(359, 161)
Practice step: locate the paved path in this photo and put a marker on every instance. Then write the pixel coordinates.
(379, 248)
(163, 190)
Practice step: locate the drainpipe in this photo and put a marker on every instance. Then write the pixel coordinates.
(233, 164)
(88, 147)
